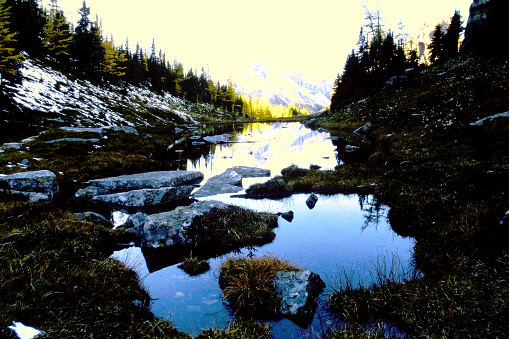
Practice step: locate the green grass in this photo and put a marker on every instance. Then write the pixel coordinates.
(247, 285)
(245, 329)
(56, 274)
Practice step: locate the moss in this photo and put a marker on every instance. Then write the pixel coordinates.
(247, 285)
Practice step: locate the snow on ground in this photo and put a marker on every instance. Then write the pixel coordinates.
(47, 90)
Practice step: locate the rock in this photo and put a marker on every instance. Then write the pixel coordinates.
(12, 146)
(288, 216)
(486, 18)
(95, 218)
(396, 80)
(136, 222)
(480, 122)
(351, 148)
(505, 220)
(125, 129)
(98, 130)
(226, 182)
(92, 141)
(150, 180)
(89, 192)
(364, 128)
(251, 172)
(311, 201)
(216, 139)
(43, 181)
(145, 197)
(298, 291)
(26, 163)
(169, 228)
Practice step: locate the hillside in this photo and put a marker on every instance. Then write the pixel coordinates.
(46, 97)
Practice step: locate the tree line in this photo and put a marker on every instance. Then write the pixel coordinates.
(85, 51)
(382, 55)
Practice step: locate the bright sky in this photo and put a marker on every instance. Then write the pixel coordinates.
(228, 35)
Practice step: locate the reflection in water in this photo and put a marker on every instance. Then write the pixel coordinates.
(346, 239)
(339, 235)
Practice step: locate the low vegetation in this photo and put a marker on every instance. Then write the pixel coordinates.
(230, 228)
(247, 285)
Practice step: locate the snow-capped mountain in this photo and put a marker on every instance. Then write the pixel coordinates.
(284, 88)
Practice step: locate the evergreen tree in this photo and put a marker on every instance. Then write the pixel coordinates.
(57, 35)
(437, 45)
(346, 85)
(9, 58)
(87, 46)
(114, 62)
(28, 21)
(451, 38)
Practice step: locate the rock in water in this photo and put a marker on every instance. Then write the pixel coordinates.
(311, 201)
(169, 228)
(288, 216)
(145, 197)
(298, 291)
(148, 180)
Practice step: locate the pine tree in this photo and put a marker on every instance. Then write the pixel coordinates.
(57, 35)
(451, 38)
(9, 59)
(114, 62)
(27, 20)
(437, 45)
(87, 46)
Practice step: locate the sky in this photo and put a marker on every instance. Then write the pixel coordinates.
(228, 36)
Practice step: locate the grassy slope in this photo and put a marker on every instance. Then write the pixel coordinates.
(446, 183)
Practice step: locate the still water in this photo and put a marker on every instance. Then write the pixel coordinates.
(343, 235)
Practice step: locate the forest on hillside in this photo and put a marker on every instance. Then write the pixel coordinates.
(85, 51)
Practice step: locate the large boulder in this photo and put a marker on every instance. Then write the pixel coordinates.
(145, 197)
(36, 185)
(150, 180)
(226, 182)
(298, 291)
(169, 228)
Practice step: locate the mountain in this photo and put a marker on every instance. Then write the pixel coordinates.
(284, 88)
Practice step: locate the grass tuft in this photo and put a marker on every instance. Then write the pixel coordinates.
(247, 285)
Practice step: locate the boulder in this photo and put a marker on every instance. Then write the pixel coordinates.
(145, 197)
(97, 130)
(169, 228)
(363, 129)
(216, 139)
(89, 192)
(150, 180)
(226, 182)
(95, 218)
(42, 185)
(298, 291)
(136, 222)
(311, 201)
(288, 216)
(251, 172)
(92, 141)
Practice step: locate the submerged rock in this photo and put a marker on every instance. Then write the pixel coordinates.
(298, 291)
(169, 228)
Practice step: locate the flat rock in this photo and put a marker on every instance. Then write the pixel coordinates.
(251, 172)
(169, 228)
(149, 180)
(92, 141)
(480, 122)
(226, 182)
(216, 139)
(97, 130)
(95, 218)
(145, 197)
(43, 181)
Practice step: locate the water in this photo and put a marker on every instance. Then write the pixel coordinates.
(341, 234)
